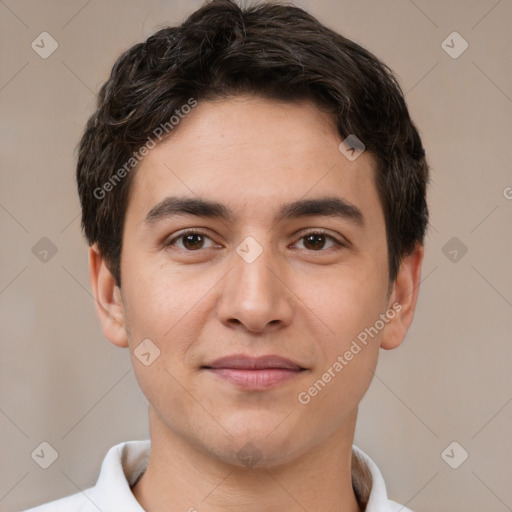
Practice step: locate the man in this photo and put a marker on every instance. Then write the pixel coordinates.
(253, 194)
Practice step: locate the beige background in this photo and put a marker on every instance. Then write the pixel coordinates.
(63, 383)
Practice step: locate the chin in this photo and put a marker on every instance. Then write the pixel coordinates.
(257, 447)
(255, 454)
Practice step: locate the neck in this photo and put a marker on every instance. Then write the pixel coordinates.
(181, 477)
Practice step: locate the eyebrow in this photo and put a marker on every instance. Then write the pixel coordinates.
(330, 206)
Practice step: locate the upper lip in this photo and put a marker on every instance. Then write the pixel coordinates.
(243, 362)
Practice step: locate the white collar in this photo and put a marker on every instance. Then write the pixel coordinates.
(125, 463)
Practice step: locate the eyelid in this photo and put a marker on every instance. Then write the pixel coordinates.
(185, 232)
(341, 241)
(300, 234)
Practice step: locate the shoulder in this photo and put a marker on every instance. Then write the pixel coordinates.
(369, 485)
(396, 507)
(121, 467)
(75, 503)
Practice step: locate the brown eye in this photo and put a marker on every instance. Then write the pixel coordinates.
(191, 241)
(318, 241)
(314, 241)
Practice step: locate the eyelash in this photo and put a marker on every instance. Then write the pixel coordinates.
(338, 244)
(320, 231)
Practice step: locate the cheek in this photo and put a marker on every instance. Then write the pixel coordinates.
(155, 299)
(163, 314)
(333, 393)
(168, 308)
(346, 301)
(349, 303)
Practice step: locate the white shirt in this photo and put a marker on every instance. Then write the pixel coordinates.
(125, 463)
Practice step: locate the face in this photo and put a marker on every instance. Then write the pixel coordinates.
(254, 257)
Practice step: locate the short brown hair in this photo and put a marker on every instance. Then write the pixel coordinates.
(268, 49)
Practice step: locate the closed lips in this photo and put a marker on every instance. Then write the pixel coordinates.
(241, 362)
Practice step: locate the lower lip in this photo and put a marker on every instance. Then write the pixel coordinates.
(256, 379)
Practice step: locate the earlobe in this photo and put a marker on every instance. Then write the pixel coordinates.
(107, 295)
(403, 299)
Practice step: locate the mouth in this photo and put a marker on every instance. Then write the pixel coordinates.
(255, 373)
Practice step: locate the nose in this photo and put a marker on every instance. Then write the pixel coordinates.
(255, 296)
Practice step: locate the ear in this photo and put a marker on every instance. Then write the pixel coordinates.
(403, 298)
(107, 294)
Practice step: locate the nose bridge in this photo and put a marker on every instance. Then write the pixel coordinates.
(254, 296)
(253, 270)
(256, 275)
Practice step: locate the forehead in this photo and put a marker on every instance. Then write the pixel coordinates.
(249, 151)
